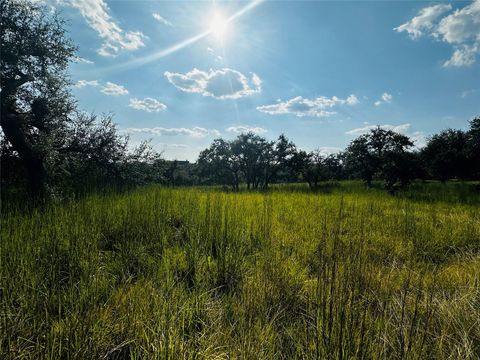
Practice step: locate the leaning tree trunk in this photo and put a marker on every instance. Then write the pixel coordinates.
(12, 125)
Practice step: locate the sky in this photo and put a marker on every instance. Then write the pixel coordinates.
(183, 73)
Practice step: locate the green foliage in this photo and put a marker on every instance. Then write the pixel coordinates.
(248, 158)
(382, 154)
(341, 272)
(35, 97)
(446, 155)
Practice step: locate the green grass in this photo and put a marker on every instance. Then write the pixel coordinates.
(341, 273)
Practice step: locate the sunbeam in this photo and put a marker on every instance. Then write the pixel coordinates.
(215, 28)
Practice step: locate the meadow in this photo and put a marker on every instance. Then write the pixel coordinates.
(344, 272)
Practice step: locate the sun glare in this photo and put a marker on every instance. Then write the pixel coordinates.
(218, 26)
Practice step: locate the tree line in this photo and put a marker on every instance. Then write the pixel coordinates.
(379, 154)
(49, 147)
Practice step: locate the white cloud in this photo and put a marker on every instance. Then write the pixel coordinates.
(461, 29)
(463, 56)
(417, 137)
(147, 104)
(83, 83)
(424, 21)
(386, 98)
(112, 89)
(300, 106)
(109, 88)
(96, 14)
(220, 84)
(461, 26)
(83, 60)
(242, 129)
(195, 132)
(161, 19)
(352, 100)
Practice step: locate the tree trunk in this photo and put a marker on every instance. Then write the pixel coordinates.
(11, 123)
(236, 181)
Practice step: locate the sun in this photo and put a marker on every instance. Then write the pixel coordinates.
(219, 26)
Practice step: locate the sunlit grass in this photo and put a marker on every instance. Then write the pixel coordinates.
(343, 272)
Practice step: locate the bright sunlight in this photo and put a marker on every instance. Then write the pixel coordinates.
(218, 26)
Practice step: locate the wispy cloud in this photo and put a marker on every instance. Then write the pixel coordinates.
(96, 14)
(161, 19)
(461, 29)
(113, 89)
(241, 129)
(195, 132)
(108, 88)
(386, 98)
(84, 83)
(147, 104)
(178, 146)
(300, 106)
(467, 93)
(220, 84)
(81, 60)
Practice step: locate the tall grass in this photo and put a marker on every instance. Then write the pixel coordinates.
(343, 273)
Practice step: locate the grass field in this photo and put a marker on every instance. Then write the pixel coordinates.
(159, 273)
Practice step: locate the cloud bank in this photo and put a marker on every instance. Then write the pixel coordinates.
(460, 29)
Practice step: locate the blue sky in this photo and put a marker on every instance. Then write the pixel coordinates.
(183, 73)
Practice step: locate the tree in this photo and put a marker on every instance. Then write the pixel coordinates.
(473, 147)
(285, 166)
(92, 154)
(35, 100)
(310, 166)
(249, 157)
(360, 161)
(333, 166)
(446, 155)
(384, 154)
(218, 164)
(252, 153)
